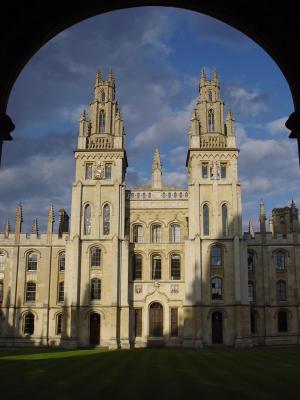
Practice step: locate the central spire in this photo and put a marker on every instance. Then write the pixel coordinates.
(156, 171)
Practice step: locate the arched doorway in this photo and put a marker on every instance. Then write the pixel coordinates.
(217, 327)
(156, 320)
(94, 329)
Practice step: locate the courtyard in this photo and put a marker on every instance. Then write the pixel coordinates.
(218, 373)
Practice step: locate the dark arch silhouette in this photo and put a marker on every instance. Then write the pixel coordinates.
(25, 27)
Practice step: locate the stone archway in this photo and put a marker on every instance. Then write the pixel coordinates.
(156, 326)
(95, 324)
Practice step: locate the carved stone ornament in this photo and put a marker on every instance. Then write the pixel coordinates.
(174, 289)
(138, 289)
(99, 171)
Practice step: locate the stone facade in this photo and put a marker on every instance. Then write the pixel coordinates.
(154, 265)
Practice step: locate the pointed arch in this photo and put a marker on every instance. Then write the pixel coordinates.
(224, 220)
(102, 121)
(106, 219)
(211, 120)
(205, 220)
(87, 227)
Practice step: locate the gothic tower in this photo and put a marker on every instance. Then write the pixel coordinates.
(216, 273)
(97, 252)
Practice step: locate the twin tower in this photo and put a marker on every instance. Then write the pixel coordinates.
(156, 265)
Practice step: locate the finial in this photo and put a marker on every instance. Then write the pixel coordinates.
(83, 115)
(51, 213)
(110, 75)
(156, 159)
(215, 75)
(7, 228)
(251, 229)
(98, 77)
(292, 203)
(19, 212)
(34, 226)
(230, 116)
(203, 74)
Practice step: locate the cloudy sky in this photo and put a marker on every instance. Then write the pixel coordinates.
(156, 55)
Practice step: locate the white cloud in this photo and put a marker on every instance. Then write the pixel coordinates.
(277, 126)
(175, 179)
(245, 102)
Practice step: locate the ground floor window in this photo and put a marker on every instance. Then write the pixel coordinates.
(282, 321)
(29, 324)
(59, 324)
(253, 321)
(156, 320)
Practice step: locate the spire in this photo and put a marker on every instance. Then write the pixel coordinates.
(83, 115)
(35, 227)
(215, 75)
(98, 78)
(262, 217)
(251, 229)
(51, 218)
(156, 171)
(110, 75)
(7, 229)
(202, 78)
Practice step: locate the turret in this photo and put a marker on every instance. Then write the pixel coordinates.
(63, 222)
(262, 217)
(251, 229)
(50, 223)
(35, 227)
(19, 222)
(7, 229)
(156, 171)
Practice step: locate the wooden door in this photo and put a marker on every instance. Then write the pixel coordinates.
(156, 320)
(94, 329)
(217, 327)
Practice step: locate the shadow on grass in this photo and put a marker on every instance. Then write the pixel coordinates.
(260, 373)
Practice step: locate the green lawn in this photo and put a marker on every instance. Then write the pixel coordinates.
(217, 373)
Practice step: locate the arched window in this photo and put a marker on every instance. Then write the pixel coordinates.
(2, 261)
(224, 220)
(30, 291)
(175, 233)
(156, 233)
(106, 219)
(102, 96)
(87, 219)
(280, 260)
(156, 267)
(58, 324)
(95, 289)
(175, 267)
(282, 321)
(95, 257)
(216, 288)
(88, 171)
(32, 259)
(251, 291)
(29, 324)
(137, 233)
(281, 291)
(61, 292)
(250, 261)
(137, 266)
(210, 95)
(102, 121)
(61, 261)
(216, 256)
(1, 292)
(205, 220)
(211, 120)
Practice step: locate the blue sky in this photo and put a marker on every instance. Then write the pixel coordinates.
(156, 55)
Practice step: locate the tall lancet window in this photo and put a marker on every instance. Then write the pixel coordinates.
(106, 219)
(102, 121)
(224, 220)
(209, 95)
(211, 121)
(205, 220)
(87, 220)
(102, 96)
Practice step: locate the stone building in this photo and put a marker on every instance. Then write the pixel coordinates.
(155, 265)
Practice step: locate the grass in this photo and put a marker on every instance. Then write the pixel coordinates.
(214, 373)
